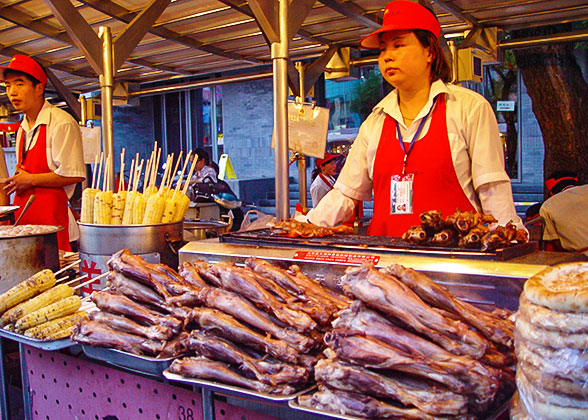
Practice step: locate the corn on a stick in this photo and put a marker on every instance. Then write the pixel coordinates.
(37, 283)
(56, 310)
(56, 329)
(67, 267)
(139, 204)
(130, 200)
(183, 202)
(58, 292)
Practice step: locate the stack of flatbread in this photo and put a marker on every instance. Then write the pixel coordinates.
(551, 343)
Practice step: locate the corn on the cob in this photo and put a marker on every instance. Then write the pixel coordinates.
(118, 207)
(61, 291)
(9, 327)
(139, 204)
(56, 329)
(37, 283)
(5, 318)
(128, 213)
(182, 204)
(103, 208)
(88, 197)
(150, 190)
(56, 310)
(169, 211)
(154, 209)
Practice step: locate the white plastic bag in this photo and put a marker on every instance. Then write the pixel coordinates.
(254, 220)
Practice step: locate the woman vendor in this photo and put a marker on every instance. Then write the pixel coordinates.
(323, 177)
(427, 145)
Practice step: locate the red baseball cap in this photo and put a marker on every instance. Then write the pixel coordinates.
(26, 65)
(326, 159)
(403, 14)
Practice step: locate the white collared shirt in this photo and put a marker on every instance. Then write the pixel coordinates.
(476, 151)
(64, 142)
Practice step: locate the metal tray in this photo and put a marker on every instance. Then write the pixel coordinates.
(233, 390)
(497, 415)
(385, 244)
(133, 362)
(39, 344)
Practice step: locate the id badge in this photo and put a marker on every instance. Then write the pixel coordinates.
(401, 194)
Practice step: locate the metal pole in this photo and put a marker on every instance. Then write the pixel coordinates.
(302, 186)
(280, 68)
(4, 401)
(213, 124)
(454, 68)
(106, 87)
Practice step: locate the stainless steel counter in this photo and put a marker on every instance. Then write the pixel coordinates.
(482, 282)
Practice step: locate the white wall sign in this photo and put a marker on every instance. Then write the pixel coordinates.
(505, 105)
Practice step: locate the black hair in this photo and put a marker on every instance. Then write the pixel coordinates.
(440, 68)
(12, 72)
(202, 154)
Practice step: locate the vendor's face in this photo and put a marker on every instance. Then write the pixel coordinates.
(330, 168)
(21, 92)
(403, 61)
(199, 164)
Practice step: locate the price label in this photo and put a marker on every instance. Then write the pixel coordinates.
(336, 257)
(186, 413)
(505, 105)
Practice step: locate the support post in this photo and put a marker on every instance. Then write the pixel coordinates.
(106, 87)
(302, 186)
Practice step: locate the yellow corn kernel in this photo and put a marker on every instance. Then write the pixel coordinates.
(61, 291)
(56, 310)
(118, 207)
(128, 213)
(154, 209)
(169, 211)
(56, 329)
(88, 197)
(182, 204)
(37, 283)
(150, 190)
(103, 208)
(139, 204)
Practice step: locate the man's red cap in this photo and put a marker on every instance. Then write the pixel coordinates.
(403, 14)
(326, 159)
(26, 65)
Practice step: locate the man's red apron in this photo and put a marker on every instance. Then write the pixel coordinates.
(50, 205)
(435, 185)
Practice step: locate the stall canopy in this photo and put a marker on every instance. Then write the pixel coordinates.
(209, 38)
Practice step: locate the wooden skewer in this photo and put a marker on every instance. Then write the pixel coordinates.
(147, 173)
(155, 168)
(67, 267)
(179, 183)
(130, 186)
(76, 279)
(99, 169)
(171, 178)
(61, 279)
(194, 160)
(166, 172)
(94, 175)
(92, 280)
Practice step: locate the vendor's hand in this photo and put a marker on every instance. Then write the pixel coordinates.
(19, 182)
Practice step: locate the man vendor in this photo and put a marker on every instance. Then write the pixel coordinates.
(48, 149)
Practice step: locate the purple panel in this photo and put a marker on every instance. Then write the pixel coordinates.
(224, 411)
(64, 387)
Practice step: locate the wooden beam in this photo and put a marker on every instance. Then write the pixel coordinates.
(353, 11)
(134, 32)
(65, 94)
(79, 30)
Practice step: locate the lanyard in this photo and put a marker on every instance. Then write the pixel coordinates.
(416, 136)
(25, 150)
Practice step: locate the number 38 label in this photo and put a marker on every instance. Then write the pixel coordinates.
(185, 413)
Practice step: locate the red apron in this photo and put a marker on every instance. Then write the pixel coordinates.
(435, 185)
(50, 205)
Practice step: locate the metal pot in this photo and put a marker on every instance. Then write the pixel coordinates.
(195, 230)
(23, 256)
(156, 243)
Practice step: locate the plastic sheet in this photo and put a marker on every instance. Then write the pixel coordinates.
(551, 347)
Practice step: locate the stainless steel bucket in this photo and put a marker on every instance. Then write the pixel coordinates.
(155, 243)
(23, 256)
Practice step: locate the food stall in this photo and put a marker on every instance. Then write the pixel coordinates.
(116, 383)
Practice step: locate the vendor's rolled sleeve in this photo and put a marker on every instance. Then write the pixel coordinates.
(67, 157)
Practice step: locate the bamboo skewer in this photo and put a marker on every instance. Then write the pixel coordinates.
(67, 267)
(94, 174)
(91, 280)
(175, 171)
(190, 173)
(76, 279)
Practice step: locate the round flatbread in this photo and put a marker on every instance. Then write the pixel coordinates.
(555, 385)
(548, 406)
(563, 287)
(529, 332)
(543, 317)
(568, 364)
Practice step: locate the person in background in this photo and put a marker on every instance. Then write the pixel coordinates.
(202, 171)
(565, 213)
(323, 177)
(48, 148)
(428, 145)
(4, 200)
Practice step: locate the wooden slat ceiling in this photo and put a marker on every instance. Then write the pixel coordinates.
(203, 37)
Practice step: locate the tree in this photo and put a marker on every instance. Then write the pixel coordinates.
(560, 103)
